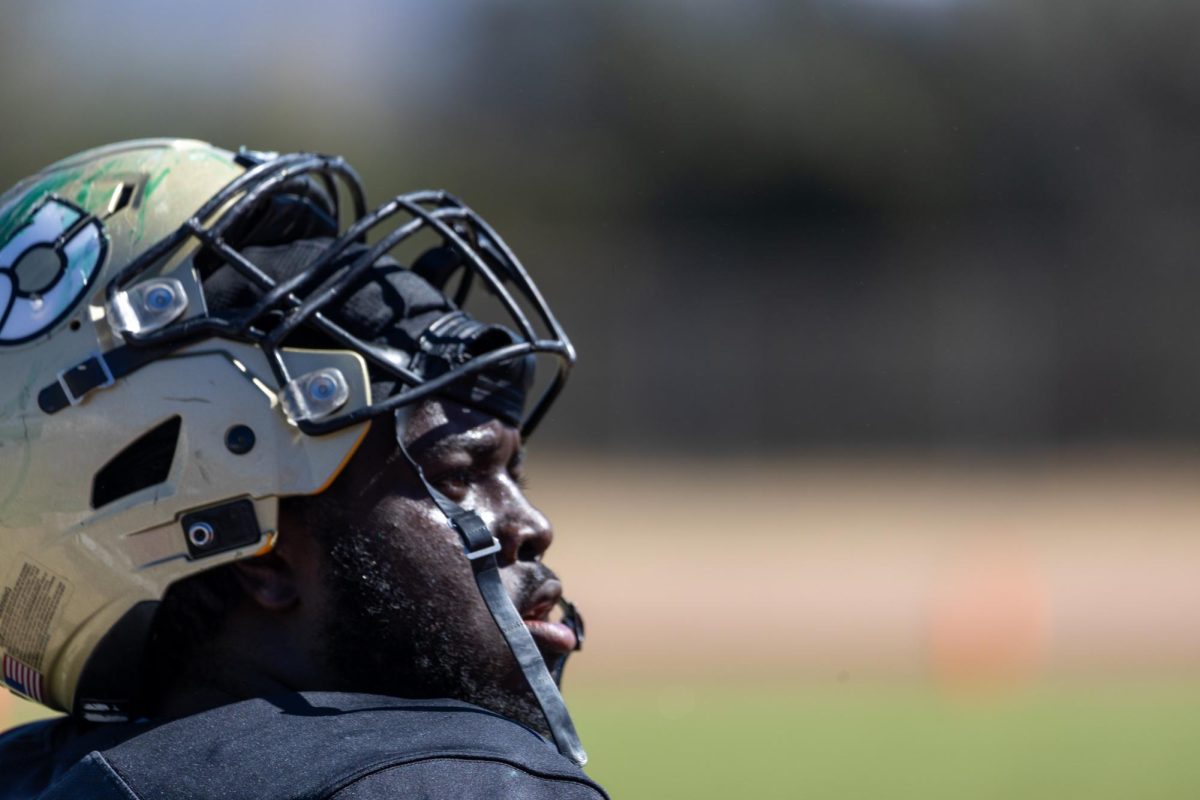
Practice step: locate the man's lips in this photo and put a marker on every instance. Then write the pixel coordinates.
(554, 637)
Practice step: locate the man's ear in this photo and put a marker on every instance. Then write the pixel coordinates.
(269, 581)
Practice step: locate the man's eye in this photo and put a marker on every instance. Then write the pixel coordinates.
(455, 481)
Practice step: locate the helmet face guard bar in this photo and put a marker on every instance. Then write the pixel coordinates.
(482, 252)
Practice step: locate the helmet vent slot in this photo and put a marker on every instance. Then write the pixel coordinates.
(121, 196)
(144, 463)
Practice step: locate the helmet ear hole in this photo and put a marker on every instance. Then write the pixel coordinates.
(144, 463)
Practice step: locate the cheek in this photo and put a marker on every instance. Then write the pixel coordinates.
(424, 551)
(408, 521)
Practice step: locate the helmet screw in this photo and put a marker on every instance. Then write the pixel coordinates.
(160, 298)
(322, 387)
(201, 534)
(240, 439)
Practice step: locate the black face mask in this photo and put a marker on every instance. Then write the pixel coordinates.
(399, 311)
(279, 270)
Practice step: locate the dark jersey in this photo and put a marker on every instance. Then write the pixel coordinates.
(312, 745)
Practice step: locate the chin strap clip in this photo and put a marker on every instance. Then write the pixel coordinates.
(98, 371)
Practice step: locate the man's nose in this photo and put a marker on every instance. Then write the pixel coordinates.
(524, 534)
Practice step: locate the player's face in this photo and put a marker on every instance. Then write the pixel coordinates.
(405, 617)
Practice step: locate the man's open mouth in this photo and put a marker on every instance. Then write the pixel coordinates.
(551, 636)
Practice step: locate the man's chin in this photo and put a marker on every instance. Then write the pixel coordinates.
(389, 635)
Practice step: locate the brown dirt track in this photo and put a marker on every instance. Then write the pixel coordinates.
(837, 566)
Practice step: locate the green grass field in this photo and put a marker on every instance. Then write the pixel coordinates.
(852, 742)
(846, 741)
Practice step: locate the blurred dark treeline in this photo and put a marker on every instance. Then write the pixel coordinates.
(770, 224)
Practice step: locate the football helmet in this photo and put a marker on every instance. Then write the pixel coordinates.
(149, 424)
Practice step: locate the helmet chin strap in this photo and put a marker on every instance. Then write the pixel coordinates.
(480, 548)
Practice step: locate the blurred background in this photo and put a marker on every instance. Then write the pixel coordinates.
(879, 471)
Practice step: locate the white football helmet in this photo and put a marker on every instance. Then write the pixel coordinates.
(146, 435)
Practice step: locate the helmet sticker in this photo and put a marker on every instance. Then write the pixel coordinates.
(23, 679)
(28, 607)
(45, 268)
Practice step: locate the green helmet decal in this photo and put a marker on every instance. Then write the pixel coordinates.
(46, 266)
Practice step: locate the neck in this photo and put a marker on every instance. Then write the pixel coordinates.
(250, 657)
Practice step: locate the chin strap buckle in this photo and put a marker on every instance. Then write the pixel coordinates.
(98, 371)
(478, 541)
(84, 377)
(490, 550)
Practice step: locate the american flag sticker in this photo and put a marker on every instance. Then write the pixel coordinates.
(22, 679)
